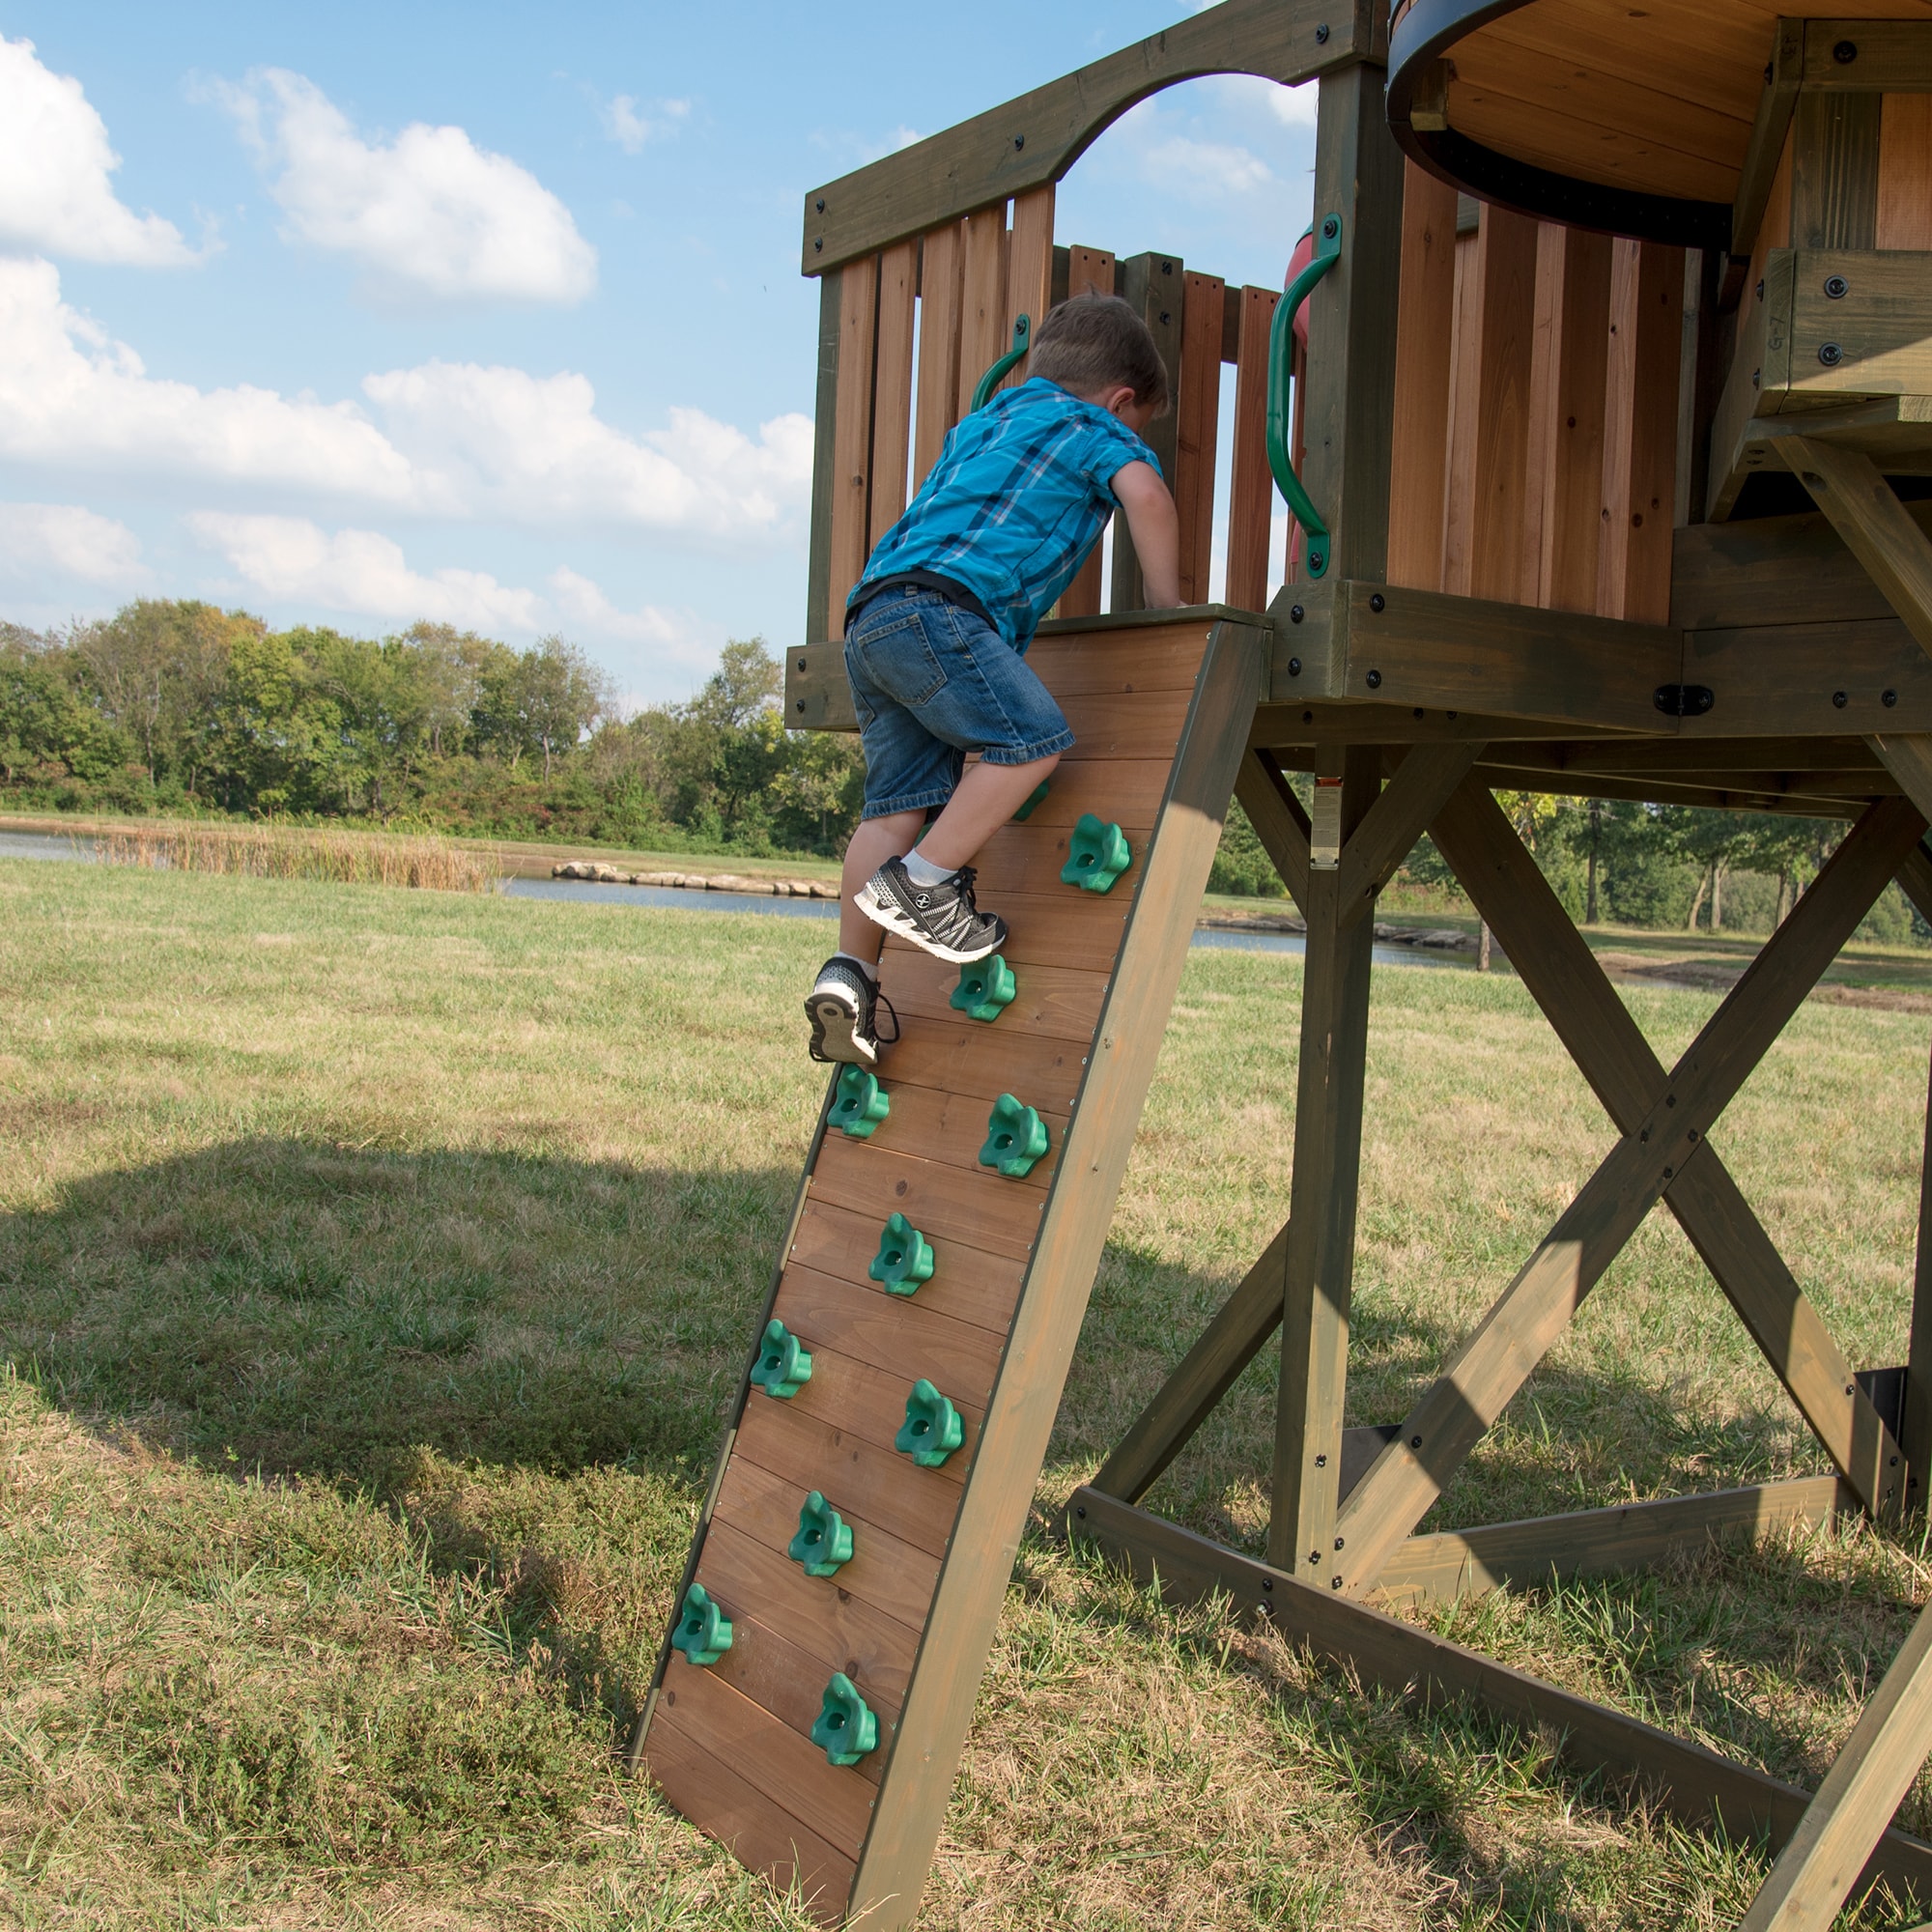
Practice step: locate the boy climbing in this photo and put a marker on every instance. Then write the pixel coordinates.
(936, 631)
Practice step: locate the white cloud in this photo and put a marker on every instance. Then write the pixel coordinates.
(429, 214)
(634, 131)
(291, 560)
(1205, 168)
(1291, 106)
(458, 441)
(41, 540)
(55, 161)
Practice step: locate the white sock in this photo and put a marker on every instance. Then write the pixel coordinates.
(922, 872)
(869, 967)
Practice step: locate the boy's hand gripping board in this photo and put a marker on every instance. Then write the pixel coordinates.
(1160, 710)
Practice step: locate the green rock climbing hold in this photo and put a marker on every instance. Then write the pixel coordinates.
(823, 1540)
(848, 1726)
(704, 1631)
(1098, 854)
(904, 1258)
(986, 988)
(783, 1367)
(1034, 799)
(1015, 1138)
(932, 1429)
(860, 1103)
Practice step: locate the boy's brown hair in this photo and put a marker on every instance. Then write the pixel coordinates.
(1095, 343)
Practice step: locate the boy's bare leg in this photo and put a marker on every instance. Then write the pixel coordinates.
(876, 841)
(986, 797)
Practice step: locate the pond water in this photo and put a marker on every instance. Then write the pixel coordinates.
(73, 847)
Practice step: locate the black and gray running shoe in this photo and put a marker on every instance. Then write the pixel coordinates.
(940, 919)
(844, 1011)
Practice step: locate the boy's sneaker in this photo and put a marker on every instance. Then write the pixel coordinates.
(940, 919)
(844, 1011)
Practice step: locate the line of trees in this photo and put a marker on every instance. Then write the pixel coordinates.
(179, 706)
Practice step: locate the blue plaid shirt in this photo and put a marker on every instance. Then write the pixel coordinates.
(1019, 496)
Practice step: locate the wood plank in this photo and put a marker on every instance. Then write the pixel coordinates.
(1034, 140)
(1194, 1388)
(946, 1129)
(1153, 285)
(767, 1667)
(892, 1489)
(1318, 1271)
(962, 1058)
(1915, 1430)
(899, 1335)
(1025, 858)
(941, 322)
(891, 390)
(1466, 343)
(1567, 414)
(967, 1284)
(1693, 1784)
(1151, 658)
(1866, 513)
(824, 465)
(1278, 818)
(1485, 1373)
(746, 1824)
(1835, 145)
(1815, 664)
(983, 334)
(1424, 328)
(861, 1401)
(1386, 836)
(1056, 1002)
(1817, 1869)
(1198, 428)
(785, 1769)
(1121, 724)
(1589, 1543)
(1089, 270)
(1902, 217)
(1251, 484)
(955, 1204)
(1351, 323)
(1505, 320)
(1767, 155)
(852, 439)
(971, 1590)
(1640, 432)
(1029, 270)
(891, 1575)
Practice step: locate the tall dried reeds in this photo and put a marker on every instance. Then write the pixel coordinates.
(269, 852)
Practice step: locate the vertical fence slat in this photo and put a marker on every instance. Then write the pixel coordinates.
(1029, 268)
(1251, 490)
(1640, 432)
(891, 407)
(1424, 337)
(983, 331)
(1089, 271)
(1466, 343)
(852, 436)
(1196, 428)
(1905, 173)
(1154, 284)
(939, 321)
(1567, 416)
(1497, 559)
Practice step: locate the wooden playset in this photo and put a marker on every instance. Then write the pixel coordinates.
(1605, 452)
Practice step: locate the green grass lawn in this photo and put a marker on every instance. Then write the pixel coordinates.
(376, 1269)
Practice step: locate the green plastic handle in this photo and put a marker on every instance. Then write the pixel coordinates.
(1281, 358)
(997, 374)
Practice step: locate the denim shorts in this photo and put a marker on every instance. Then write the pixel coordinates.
(931, 682)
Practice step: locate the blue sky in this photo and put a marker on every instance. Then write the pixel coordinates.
(492, 313)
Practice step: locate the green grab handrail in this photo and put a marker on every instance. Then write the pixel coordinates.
(1281, 357)
(997, 374)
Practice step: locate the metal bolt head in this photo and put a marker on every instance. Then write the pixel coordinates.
(1374, 680)
(1845, 52)
(1760, 287)
(1888, 699)
(1079, 1509)
(1321, 35)
(1334, 1582)
(1318, 559)
(1339, 1542)
(1835, 286)
(1294, 613)
(818, 244)
(1840, 699)
(819, 204)
(1378, 603)
(1755, 378)
(1415, 1442)
(801, 705)
(1315, 1556)
(1330, 228)
(1019, 142)
(1831, 355)
(1321, 1462)
(1295, 667)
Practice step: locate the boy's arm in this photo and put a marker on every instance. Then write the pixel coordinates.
(1156, 527)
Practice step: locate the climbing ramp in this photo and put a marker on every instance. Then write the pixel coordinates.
(848, 1574)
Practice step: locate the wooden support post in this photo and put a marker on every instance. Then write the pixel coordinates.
(1609, 1049)
(1351, 323)
(1321, 1252)
(1816, 1870)
(1421, 787)
(1489, 1369)
(1874, 524)
(1278, 820)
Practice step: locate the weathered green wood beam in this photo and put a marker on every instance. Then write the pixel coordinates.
(1398, 818)
(1866, 513)
(1279, 822)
